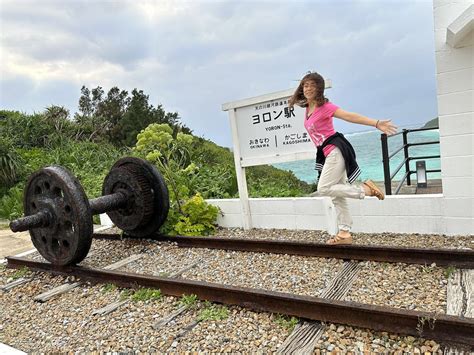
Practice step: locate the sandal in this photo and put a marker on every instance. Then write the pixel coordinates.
(339, 240)
(374, 190)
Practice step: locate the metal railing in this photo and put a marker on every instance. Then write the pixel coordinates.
(388, 177)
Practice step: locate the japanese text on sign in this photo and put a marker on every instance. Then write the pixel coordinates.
(271, 128)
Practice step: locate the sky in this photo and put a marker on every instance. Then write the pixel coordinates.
(193, 56)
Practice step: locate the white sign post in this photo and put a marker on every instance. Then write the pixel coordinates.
(266, 131)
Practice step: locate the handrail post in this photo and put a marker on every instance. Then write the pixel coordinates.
(386, 164)
(405, 150)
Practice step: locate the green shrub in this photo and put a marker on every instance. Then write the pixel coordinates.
(189, 214)
(10, 164)
(198, 217)
(11, 204)
(268, 181)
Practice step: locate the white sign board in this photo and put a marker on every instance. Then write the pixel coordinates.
(268, 131)
(271, 129)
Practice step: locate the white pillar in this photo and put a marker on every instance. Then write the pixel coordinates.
(240, 172)
(454, 72)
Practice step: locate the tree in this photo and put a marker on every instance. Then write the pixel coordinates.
(118, 118)
(113, 109)
(92, 124)
(138, 116)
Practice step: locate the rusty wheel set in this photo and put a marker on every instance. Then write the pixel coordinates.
(59, 215)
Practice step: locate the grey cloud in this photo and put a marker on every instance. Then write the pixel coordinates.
(380, 55)
(74, 30)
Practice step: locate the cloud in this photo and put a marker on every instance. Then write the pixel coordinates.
(193, 56)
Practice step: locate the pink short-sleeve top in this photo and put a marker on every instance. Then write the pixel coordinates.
(319, 125)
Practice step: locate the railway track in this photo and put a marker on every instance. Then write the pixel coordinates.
(459, 258)
(442, 328)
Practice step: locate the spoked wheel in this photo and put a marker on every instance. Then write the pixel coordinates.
(65, 234)
(148, 199)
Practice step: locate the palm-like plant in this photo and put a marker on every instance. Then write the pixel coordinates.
(9, 165)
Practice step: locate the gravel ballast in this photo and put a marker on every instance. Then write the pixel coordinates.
(66, 323)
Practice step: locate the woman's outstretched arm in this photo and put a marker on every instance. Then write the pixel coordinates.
(386, 126)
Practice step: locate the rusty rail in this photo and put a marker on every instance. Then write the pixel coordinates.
(423, 324)
(459, 258)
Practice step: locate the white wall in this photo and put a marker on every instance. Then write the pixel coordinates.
(454, 74)
(396, 214)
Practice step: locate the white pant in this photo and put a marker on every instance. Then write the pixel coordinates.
(333, 183)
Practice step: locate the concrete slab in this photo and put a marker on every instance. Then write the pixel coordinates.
(14, 243)
(7, 350)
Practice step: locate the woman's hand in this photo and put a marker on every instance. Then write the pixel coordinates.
(387, 127)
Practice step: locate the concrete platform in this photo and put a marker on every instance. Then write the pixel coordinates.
(434, 187)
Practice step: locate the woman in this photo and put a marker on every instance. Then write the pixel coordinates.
(335, 159)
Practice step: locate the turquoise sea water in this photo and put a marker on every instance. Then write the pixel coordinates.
(368, 148)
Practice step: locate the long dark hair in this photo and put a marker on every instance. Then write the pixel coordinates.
(298, 97)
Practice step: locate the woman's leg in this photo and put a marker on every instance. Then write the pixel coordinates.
(332, 183)
(344, 219)
(332, 180)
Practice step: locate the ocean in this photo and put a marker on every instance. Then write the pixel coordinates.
(368, 148)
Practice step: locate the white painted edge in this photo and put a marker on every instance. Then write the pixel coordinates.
(105, 220)
(460, 27)
(102, 228)
(25, 253)
(7, 350)
(401, 197)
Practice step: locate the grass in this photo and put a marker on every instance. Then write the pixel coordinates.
(20, 273)
(286, 322)
(449, 271)
(146, 294)
(189, 301)
(213, 312)
(426, 269)
(109, 287)
(125, 294)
